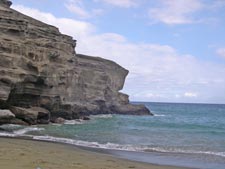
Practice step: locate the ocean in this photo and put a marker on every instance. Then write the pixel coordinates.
(191, 135)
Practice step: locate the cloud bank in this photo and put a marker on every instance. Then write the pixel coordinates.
(175, 12)
(119, 3)
(77, 7)
(221, 52)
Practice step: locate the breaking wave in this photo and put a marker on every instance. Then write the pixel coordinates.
(72, 122)
(102, 116)
(113, 146)
(26, 130)
(17, 130)
(159, 115)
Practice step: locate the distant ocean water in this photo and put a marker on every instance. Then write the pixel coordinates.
(191, 135)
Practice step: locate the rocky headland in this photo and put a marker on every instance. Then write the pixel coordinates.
(43, 79)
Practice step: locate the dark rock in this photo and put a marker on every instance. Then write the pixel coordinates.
(43, 115)
(130, 109)
(34, 115)
(18, 122)
(58, 120)
(5, 3)
(85, 118)
(6, 116)
(27, 115)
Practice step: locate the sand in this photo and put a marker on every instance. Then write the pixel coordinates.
(28, 154)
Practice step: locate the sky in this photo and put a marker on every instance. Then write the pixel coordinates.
(174, 49)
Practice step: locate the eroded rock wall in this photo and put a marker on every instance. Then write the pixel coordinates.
(40, 68)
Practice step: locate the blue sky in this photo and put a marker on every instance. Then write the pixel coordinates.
(174, 49)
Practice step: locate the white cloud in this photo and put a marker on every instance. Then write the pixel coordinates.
(76, 7)
(157, 72)
(190, 94)
(217, 4)
(175, 11)
(221, 52)
(75, 28)
(120, 3)
(177, 96)
(97, 12)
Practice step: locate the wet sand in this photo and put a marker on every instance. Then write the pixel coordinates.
(28, 154)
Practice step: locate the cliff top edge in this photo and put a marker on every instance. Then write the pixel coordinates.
(5, 3)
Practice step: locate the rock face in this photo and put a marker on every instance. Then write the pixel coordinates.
(34, 115)
(40, 68)
(6, 116)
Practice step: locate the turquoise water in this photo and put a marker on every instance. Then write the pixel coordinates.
(179, 134)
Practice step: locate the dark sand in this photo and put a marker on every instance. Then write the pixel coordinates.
(28, 154)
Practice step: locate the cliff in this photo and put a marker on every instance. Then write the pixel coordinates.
(40, 68)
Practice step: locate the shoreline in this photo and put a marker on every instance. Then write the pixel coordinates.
(23, 153)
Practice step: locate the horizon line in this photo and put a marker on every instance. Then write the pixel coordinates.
(177, 102)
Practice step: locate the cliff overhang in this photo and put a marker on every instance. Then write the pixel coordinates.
(43, 76)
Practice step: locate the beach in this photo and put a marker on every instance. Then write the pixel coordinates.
(28, 154)
(186, 135)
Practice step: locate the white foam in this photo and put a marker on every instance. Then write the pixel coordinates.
(159, 115)
(206, 152)
(21, 132)
(158, 149)
(103, 116)
(55, 124)
(86, 143)
(72, 122)
(114, 146)
(108, 145)
(10, 127)
(14, 130)
(4, 134)
(26, 130)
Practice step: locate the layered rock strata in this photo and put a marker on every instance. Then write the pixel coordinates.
(40, 68)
